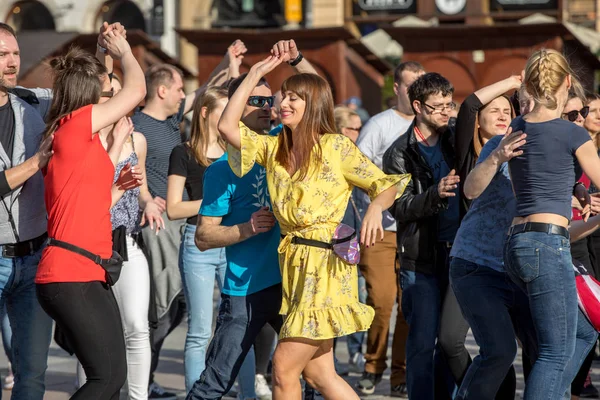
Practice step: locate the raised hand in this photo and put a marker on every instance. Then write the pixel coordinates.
(265, 66)
(116, 44)
(447, 185)
(106, 27)
(286, 50)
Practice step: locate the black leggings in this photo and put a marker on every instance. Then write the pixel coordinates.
(88, 315)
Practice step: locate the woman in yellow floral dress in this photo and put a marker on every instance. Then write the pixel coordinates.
(310, 173)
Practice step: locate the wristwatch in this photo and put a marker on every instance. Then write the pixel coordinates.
(297, 60)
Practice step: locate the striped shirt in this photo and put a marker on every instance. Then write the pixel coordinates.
(162, 137)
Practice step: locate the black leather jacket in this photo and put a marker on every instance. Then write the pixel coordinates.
(416, 211)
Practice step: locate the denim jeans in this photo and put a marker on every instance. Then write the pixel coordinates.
(199, 270)
(240, 320)
(422, 296)
(584, 341)
(496, 309)
(540, 264)
(31, 326)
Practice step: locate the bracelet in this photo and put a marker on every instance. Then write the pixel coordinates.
(297, 60)
(102, 49)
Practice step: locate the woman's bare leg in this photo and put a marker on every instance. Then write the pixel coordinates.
(290, 358)
(320, 374)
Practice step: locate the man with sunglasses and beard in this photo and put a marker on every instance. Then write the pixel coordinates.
(235, 214)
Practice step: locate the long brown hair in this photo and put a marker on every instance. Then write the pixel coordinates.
(199, 138)
(595, 135)
(477, 138)
(294, 151)
(76, 84)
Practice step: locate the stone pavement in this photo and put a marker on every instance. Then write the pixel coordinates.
(60, 378)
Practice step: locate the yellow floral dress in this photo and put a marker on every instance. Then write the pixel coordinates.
(320, 291)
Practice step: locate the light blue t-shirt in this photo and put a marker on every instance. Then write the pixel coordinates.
(252, 265)
(480, 238)
(448, 219)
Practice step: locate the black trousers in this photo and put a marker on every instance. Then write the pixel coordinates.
(88, 315)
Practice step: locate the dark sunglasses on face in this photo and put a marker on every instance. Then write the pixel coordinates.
(259, 101)
(108, 94)
(572, 115)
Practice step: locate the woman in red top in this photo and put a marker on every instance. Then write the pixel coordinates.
(71, 288)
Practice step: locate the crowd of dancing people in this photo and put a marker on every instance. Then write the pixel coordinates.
(116, 224)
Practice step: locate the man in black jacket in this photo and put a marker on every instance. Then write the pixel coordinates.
(427, 218)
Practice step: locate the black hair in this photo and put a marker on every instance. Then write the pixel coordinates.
(429, 84)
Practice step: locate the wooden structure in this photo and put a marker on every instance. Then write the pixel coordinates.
(38, 46)
(350, 67)
(475, 56)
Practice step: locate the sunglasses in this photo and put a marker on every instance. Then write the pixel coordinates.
(260, 101)
(572, 115)
(111, 93)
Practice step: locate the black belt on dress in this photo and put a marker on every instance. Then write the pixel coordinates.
(318, 243)
(550, 229)
(23, 249)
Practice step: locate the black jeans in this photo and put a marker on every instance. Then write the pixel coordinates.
(240, 320)
(88, 315)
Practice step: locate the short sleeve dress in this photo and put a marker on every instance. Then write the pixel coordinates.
(320, 291)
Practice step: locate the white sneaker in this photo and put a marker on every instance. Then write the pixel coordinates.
(357, 363)
(261, 387)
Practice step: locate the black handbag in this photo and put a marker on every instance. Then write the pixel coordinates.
(112, 266)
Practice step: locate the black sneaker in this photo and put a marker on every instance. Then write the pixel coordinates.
(399, 391)
(367, 383)
(589, 392)
(155, 391)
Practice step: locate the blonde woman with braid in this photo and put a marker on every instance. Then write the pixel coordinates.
(537, 250)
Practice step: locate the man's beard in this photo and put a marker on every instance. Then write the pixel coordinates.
(6, 85)
(435, 128)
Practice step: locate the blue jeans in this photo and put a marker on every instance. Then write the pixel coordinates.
(7, 336)
(198, 273)
(496, 309)
(584, 341)
(422, 296)
(240, 320)
(32, 327)
(540, 264)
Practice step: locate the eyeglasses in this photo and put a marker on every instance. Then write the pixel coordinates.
(441, 108)
(572, 115)
(111, 93)
(260, 101)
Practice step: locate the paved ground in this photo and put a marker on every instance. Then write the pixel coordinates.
(60, 378)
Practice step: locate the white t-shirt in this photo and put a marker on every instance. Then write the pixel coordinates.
(375, 138)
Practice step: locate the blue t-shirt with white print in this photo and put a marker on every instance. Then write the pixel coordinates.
(480, 238)
(252, 265)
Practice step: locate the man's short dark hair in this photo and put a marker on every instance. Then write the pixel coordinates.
(8, 29)
(235, 84)
(160, 74)
(429, 84)
(411, 66)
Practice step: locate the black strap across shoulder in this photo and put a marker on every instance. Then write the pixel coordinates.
(76, 249)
